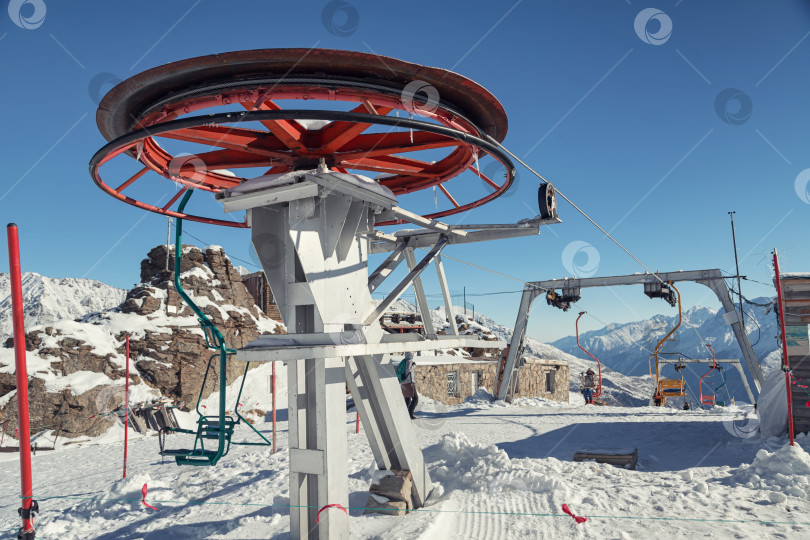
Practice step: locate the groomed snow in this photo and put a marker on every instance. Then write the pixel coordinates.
(499, 471)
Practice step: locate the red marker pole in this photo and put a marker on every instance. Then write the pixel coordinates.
(786, 363)
(274, 406)
(29, 506)
(126, 404)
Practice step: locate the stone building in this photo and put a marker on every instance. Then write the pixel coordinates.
(257, 286)
(451, 380)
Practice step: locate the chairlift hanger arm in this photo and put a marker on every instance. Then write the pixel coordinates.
(660, 343)
(425, 238)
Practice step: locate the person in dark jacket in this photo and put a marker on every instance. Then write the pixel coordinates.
(408, 385)
(588, 384)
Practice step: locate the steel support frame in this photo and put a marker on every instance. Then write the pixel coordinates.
(718, 286)
(314, 253)
(419, 291)
(288, 240)
(517, 344)
(314, 248)
(477, 233)
(390, 264)
(411, 279)
(448, 301)
(711, 278)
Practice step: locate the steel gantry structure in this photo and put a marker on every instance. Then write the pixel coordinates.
(570, 287)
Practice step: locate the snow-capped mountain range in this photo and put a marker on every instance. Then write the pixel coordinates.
(48, 300)
(627, 347)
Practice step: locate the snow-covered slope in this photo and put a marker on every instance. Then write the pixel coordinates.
(627, 347)
(498, 471)
(48, 300)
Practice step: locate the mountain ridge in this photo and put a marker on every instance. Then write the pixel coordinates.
(626, 347)
(47, 300)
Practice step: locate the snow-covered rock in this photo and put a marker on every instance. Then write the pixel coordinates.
(77, 367)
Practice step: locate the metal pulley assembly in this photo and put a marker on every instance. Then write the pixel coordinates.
(547, 201)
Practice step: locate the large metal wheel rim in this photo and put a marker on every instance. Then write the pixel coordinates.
(129, 141)
(129, 99)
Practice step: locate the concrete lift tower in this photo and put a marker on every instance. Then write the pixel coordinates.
(216, 124)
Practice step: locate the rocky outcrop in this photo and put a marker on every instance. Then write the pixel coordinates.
(79, 367)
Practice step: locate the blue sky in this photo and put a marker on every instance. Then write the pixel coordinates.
(625, 123)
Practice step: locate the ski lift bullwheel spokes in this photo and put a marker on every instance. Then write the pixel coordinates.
(165, 108)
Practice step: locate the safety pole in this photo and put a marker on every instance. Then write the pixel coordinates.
(357, 423)
(29, 506)
(274, 406)
(785, 362)
(126, 404)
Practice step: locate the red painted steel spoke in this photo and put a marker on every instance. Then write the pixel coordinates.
(163, 162)
(485, 178)
(385, 169)
(287, 131)
(174, 199)
(258, 142)
(401, 164)
(447, 194)
(375, 144)
(337, 134)
(233, 159)
(132, 179)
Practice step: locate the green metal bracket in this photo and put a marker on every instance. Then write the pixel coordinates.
(213, 340)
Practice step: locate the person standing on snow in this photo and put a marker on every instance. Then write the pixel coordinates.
(405, 374)
(588, 384)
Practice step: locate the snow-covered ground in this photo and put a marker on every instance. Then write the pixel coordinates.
(499, 471)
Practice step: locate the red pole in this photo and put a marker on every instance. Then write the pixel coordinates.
(786, 364)
(357, 422)
(126, 404)
(27, 495)
(274, 406)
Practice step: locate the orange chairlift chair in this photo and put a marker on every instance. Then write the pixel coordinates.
(705, 398)
(670, 387)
